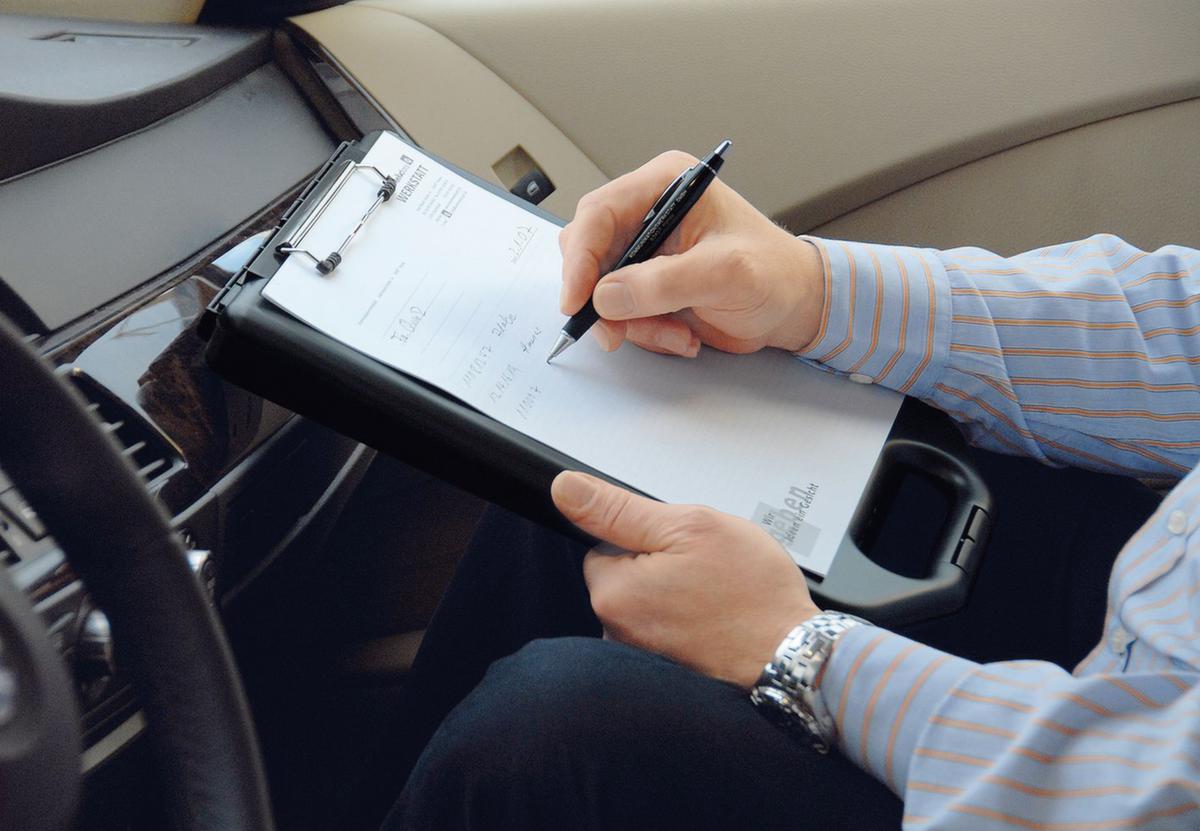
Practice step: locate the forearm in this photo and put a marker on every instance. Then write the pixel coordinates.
(1087, 360)
(1021, 743)
(882, 689)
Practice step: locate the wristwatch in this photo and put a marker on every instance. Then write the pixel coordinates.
(786, 691)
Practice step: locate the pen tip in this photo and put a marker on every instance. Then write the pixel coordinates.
(723, 146)
(560, 346)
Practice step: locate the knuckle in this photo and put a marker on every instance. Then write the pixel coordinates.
(594, 200)
(738, 261)
(697, 519)
(612, 511)
(603, 604)
(593, 211)
(608, 599)
(676, 157)
(645, 332)
(588, 201)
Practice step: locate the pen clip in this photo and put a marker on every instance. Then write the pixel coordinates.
(664, 196)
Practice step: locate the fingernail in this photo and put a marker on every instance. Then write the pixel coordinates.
(572, 490)
(562, 299)
(613, 300)
(693, 346)
(673, 340)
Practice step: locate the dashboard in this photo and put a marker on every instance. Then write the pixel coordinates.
(151, 174)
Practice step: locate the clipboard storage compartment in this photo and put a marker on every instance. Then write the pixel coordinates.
(256, 345)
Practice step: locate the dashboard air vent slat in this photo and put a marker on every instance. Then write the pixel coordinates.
(8, 557)
(150, 468)
(154, 457)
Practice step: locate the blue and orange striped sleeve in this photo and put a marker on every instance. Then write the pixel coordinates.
(1085, 353)
(1018, 744)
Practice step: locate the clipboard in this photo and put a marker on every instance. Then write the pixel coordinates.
(256, 345)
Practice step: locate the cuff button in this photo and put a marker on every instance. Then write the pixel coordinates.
(1177, 522)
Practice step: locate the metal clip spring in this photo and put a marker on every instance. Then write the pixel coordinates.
(325, 265)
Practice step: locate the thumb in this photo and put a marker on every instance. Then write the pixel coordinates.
(609, 513)
(665, 284)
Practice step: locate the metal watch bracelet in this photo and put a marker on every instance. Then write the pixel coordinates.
(786, 691)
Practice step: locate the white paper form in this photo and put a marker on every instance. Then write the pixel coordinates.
(459, 287)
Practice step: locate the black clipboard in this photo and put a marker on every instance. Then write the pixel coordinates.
(256, 345)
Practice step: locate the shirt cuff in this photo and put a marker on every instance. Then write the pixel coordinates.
(882, 689)
(886, 318)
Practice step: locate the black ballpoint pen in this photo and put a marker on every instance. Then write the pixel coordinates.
(670, 209)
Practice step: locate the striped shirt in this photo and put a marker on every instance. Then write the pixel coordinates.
(1086, 354)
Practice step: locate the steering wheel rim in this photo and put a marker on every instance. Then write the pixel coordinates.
(119, 541)
(39, 722)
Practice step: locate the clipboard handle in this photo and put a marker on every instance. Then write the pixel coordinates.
(926, 444)
(326, 264)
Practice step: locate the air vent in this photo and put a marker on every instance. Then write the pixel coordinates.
(144, 446)
(110, 39)
(8, 557)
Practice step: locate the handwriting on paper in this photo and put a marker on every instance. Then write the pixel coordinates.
(521, 238)
(504, 382)
(503, 322)
(457, 286)
(528, 343)
(525, 405)
(406, 324)
(477, 365)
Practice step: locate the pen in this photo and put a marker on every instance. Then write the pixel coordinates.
(663, 218)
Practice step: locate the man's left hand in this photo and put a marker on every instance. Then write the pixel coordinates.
(709, 590)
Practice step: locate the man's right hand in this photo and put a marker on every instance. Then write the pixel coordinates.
(727, 276)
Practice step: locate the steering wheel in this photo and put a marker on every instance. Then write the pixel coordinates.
(119, 541)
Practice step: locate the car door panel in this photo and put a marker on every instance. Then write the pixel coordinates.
(1135, 176)
(447, 100)
(832, 105)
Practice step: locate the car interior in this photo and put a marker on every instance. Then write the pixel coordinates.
(149, 147)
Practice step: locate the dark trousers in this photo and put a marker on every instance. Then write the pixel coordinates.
(569, 731)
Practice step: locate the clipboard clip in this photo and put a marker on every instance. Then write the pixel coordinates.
(327, 264)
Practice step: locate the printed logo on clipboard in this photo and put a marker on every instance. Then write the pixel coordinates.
(789, 524)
